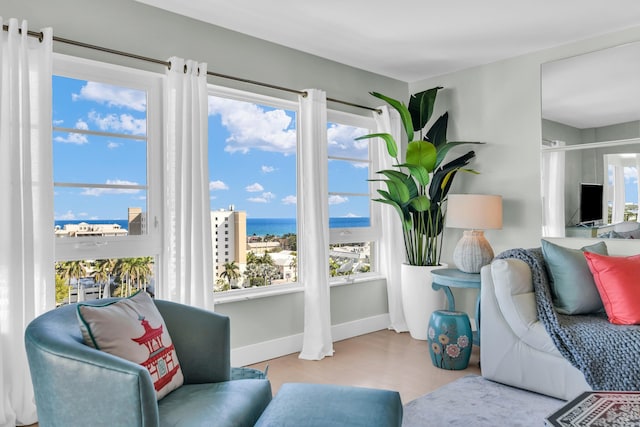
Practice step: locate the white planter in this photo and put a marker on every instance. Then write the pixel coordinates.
(419, 300)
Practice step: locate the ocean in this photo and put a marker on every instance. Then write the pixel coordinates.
(255, 226)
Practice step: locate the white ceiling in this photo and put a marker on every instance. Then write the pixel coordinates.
(411, 40)
(414, 39)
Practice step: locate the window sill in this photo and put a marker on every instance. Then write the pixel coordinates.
(251, 294)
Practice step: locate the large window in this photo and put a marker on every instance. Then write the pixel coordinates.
(106, 167)
(252, 168)
(352, 230)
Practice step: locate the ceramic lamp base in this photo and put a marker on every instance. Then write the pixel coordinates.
(472, 252)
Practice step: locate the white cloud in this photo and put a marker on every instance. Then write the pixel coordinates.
(267, 169)
(217, 185)
(57, 122)
(125, 123)
(290, 200)
(351, 215)
(72, 138)
(254, 188)
(112, 145)
(337, 200)
(100, 191)
(265, 198)
(113, 96)
(251, 127)
(630, 174)
(342, 143)
(67, 216)
(75, 138)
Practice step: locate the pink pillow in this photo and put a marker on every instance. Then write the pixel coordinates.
(618, 282)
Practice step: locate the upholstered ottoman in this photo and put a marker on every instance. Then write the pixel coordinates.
(322, 405)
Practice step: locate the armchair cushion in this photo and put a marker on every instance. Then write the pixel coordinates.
(572, 286)
(132, 328)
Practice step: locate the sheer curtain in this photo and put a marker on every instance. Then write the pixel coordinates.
(391, 248)
(553, 173)
(188, 254)
(27, 286)
(617, 210)
(313, 229)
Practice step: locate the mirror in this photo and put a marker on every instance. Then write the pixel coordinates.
(591, 144)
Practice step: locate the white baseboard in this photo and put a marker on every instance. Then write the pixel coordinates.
(254, 353)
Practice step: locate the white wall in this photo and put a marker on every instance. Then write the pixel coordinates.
(499, 104)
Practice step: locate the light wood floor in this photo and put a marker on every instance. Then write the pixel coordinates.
(383, 359)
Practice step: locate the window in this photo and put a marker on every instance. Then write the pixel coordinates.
(621, 194)
(106, 162)
(352, 230)
(252, 167)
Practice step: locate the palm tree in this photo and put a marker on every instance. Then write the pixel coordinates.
(123, 268)
(102, 273)
(72, 270)
(231, 272)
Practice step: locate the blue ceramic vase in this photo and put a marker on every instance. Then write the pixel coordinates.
(450, 339)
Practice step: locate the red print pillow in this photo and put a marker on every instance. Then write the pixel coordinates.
(618, 282)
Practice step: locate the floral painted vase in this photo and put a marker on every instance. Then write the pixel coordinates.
(450, 339)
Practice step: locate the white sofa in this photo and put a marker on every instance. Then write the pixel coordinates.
(516, 349)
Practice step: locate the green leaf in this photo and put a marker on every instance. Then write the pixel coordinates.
(437, 133)
(392, 147)
(421, 203)
(405, 116)
(405, 216)
(406, 180)
(444, 150)
(422, 153)
(421, 107)
(420, 173)
(441, 182)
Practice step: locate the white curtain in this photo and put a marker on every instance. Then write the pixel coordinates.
(553, 173)
(391, 251)
(313, 229)
(188, 254)
(27, 286)
(617, 211)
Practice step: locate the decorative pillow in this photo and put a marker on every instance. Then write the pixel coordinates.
(617, 282)
(572, 286)
(132, 328)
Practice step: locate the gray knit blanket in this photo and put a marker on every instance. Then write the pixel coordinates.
(608, 355)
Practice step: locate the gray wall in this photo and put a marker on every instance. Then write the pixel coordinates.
(133, 27)
(499, 103)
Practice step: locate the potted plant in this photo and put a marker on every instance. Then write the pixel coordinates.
(417, 188)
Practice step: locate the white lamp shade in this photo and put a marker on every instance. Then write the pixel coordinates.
(474, 211)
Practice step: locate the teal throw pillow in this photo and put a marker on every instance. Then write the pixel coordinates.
(572, 286)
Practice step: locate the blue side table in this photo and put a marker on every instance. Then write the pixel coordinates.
(447, 278)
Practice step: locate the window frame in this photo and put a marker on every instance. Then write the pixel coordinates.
(149, 244)
(357, 234)
(274, 102)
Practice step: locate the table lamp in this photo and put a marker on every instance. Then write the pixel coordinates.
(476, 213)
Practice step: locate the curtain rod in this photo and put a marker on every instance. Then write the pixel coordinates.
(167, 64)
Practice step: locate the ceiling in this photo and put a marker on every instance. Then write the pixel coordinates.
(411, 40)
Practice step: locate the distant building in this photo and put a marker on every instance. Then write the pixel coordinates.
(137, 223)
(229, 235)
(84, 230)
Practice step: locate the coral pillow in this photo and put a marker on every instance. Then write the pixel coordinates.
(132, 328)
(618, 282)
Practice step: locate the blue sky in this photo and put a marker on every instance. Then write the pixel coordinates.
(252, 156)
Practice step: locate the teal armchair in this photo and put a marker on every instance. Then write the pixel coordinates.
(77, 385)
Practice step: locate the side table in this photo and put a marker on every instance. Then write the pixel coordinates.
(447, 278)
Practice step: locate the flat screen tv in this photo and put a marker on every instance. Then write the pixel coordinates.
(591, 203)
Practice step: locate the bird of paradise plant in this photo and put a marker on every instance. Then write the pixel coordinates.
(417, 188)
